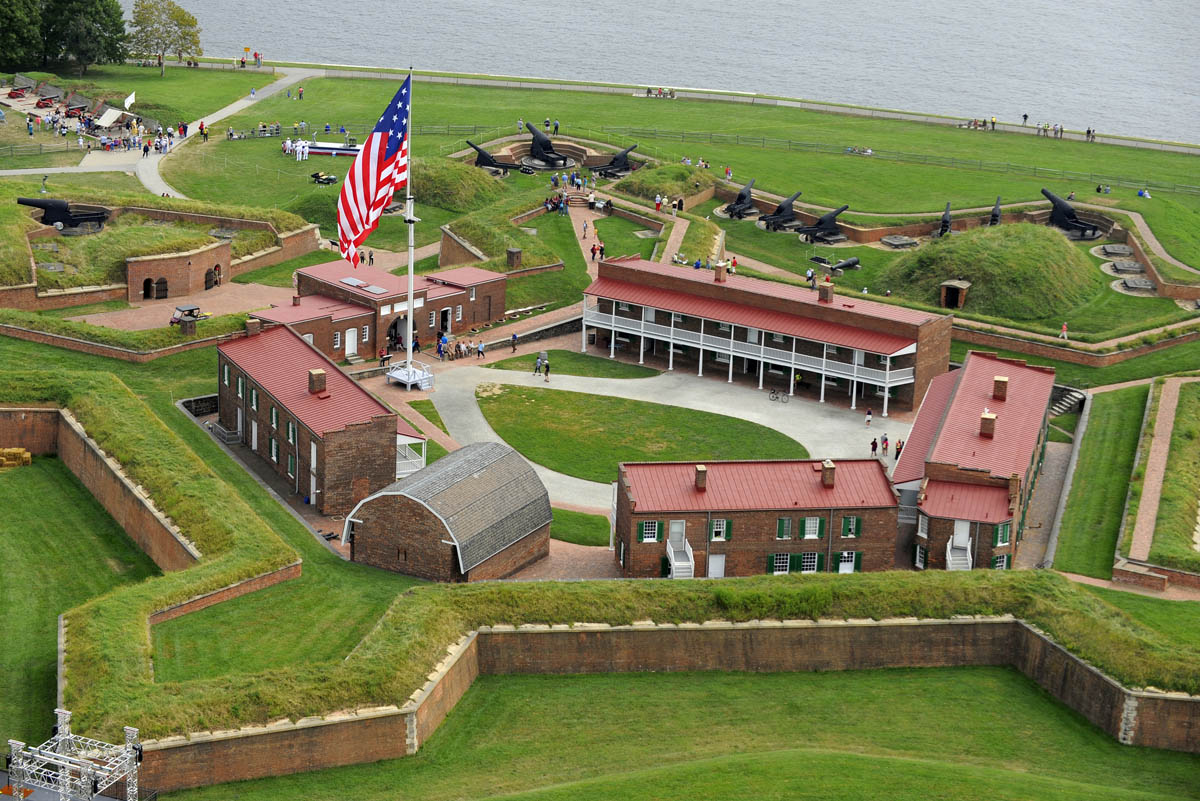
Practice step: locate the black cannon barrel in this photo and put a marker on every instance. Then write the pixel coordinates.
(849, 264)
(43, 203)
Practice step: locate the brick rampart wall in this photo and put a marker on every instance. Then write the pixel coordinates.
(26, 297)
(235, 590)
(1032, 348)
(111, 351)
(32, 428)
(456, 250)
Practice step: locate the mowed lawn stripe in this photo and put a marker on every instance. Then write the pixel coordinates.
(58, 548)
(586, 435)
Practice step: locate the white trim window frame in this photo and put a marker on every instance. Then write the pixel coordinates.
(366, 334)
(718, 529)
(458, 313)
(812, 528)
(781, 562)
(808, 562)
(922, 526)
(337, 340)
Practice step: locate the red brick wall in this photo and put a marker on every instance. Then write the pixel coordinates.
(399, 534)
(184, 271)
(235, 590)
(521, 553)
(942, 529)
(454, 253)
(31, 428)
(358, 461)
(291, 244)
(26, 298)
(441, 696)
(111, 351)
(1072, 355)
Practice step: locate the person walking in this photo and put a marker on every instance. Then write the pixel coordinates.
(479, 350)
(883, 444)
(899, 447)
(537, 366)
(868, 418)
(1024, 119)
(585, 224)
(874, 448)
(370, 258)
(594, 249)
(1063, 333)
(546, 368)
(601, 251)
(514, 342)
(556, 126)
(520, 124)
(658, 202)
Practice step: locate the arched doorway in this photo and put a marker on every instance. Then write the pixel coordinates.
(148, 289)
(396, 333)
(210, 279)
(160, 289)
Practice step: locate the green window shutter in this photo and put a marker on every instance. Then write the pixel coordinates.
(728, 530)
(641, 531)
(770, 563)
(858, 526)
(820, 563)
(658, 535)
(1007, 561)
(845, 526)
(858, 561)
(995, 535)
(794, 563)
(820, 528)
(779, 528)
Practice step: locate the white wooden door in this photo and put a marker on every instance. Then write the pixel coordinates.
(351, 341)
(254, 434)
(678, 536)
(846, 562)
(239, 422)
(716, 565)
(312, 471)
(962, 533)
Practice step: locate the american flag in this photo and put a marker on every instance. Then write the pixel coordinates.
(379, 169)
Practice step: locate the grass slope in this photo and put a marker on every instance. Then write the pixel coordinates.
(570, 362)
(587, 435)
(579, 527)
(59, 548)
(281, 274)
(1174, 542)
(1178, 620)
(878, 734)
(1092, 518)
(1177, 358)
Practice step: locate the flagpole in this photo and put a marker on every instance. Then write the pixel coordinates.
(412, 224)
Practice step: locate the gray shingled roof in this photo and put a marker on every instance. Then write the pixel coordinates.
(488, 495)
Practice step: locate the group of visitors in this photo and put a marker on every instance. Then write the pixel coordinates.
(879, 447)
(701, 163)
(299, 148)
(556, 203)
(575, 180)
(668, 93)
(597, 248)
(1090, 134)
(1054, 131)
(860, 151)
(1103, 189)
(541, 366)
(457, 349)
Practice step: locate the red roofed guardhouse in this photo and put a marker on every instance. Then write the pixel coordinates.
(333, 441)
(683, 519)
(348, 313)
(971, 460)
(734, 325)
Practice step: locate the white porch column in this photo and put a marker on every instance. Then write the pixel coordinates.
(700, 350)
(854, 381)
(583, 327)
(762, 354)
(792, 370)
(612, 340)
(732, 330)
(642, 339)
(824, 353)
(671, 344)
(887, 382)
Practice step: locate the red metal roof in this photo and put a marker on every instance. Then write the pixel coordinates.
(393, 286)
(1018, 419)
(278, 360)
(313, 307)
(465, 276)
(911, 466)
(403, 428)
(966, 501)
(777, 289)
(750, 316)
(744, 486)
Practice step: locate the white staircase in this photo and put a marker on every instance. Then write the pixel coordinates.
(420, 374)
(958, 558)
(1067, 403)
(680, 558)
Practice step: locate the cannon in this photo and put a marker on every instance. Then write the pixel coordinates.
(826, 229)
(619, 164)
(848, 264)
(488, 161)
(782, 215)
(995, 218)
(944, 226)
(542, 149)
(742, 204)
(1062, 215)
(59, 213)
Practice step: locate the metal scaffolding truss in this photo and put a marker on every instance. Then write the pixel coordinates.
(77, 768)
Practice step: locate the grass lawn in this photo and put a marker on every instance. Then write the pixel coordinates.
(426, 409)
(434, 452)
(879, 735)
(1178, 621)
(579, 527)
(555, 289)
(1174, 529)
(59, 548)
(1092, 518)
(587, 435)
(86, 308)
(619, 240)
(1067, 422)
(281, 274)
(570, 362)
(1178, 358)
(50, 149)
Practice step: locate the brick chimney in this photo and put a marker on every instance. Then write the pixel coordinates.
(825, 292)
(987, 425)
(1000, 387)
(701, 477)
(253, 326)
(295, 300)
(1014, 489)
(827, 473)
(316, 381)
(720, 272)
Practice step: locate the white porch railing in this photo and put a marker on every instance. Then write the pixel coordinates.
(681, 562)
(723, 344)
(958, 558)
(409, 460)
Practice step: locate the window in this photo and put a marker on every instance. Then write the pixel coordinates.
(783, 528)
(366, 337)
(241, 387)
(779, 564)
(922, 526)
(432, 319)
(337, 340)
(225, 374)
(308, 338)
(274, 450)
(677, 318)
(830, 350)
(417, 303)
(648, 531)
(622, 307)
(808, 562)
(718, 530)
(291, 465)
(851, 526)
(1002, 534)
(472, 295)
(254, 398)
(777, 337)
(752, 336)
(458, 314)
(291, 433)
(1002, 562)
(812, 528)
(385, 309)
(849, 562)
(919, 557)
(723, 327)
(885, 361)
(274, 417)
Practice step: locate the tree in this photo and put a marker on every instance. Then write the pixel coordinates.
(87, 31)
(20, 34)
(162, 26)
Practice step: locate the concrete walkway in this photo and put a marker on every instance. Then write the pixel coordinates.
(1174, 592)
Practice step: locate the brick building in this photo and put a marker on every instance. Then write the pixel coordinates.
(683, 519)
(970, 463)
(310, 422)
(353, 313)
(477, 513)
(873, 352)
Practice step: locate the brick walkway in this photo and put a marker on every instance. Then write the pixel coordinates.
(1156, 467)
(1173, 592)
(1039, 520)
(227, 298)
(570, 561)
